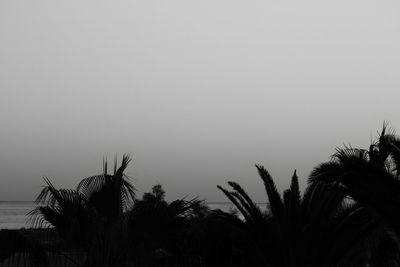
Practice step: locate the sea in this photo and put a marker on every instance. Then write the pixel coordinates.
(13, 215)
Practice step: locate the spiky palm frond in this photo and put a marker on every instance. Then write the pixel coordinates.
(292, 197)
(371, 179)
(92, 216)
(65, 202)
(350, 154)
(245, 204)
(367, 180)
(92, 184)
(111, 195)
(302, 231)
(390, 143)
(65, 210)
(235, 202)
(275, 201)
(126, 159)
(346, 162)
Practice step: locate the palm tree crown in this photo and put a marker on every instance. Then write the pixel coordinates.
(370, 177)
(319, 229)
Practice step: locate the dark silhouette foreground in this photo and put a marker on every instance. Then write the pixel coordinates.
(346, 217)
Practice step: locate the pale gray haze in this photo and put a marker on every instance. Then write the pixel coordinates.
(196, 91)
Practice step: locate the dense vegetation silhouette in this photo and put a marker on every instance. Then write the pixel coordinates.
(347, 216)
(318, 229)
(371, 177)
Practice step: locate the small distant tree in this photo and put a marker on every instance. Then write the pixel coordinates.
(156, 229)
(157, 194)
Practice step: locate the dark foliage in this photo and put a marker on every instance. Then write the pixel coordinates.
(346, 217)
(21, 251)
(318, 229)
(103, 219)
(370, 177)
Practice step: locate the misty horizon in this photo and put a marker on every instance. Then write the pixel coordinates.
(196, 92)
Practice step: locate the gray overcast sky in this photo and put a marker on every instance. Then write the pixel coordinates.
(196, 91)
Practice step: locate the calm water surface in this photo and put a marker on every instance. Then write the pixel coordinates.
(13, 215)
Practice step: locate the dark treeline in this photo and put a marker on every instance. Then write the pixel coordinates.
(346, 217)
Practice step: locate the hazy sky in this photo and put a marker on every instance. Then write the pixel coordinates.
(196, 91)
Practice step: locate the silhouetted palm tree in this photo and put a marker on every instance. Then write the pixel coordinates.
(109, 194)
(371, 177)
(87, 218)
(103, 218)
(319, 229)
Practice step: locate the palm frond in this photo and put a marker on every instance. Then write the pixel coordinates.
(126, 159)
(349, 153)
(247, 203)
(275, 201)
(295, 190)
(235, 202)
(326, 172)
(92, 184)
(292, 198)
